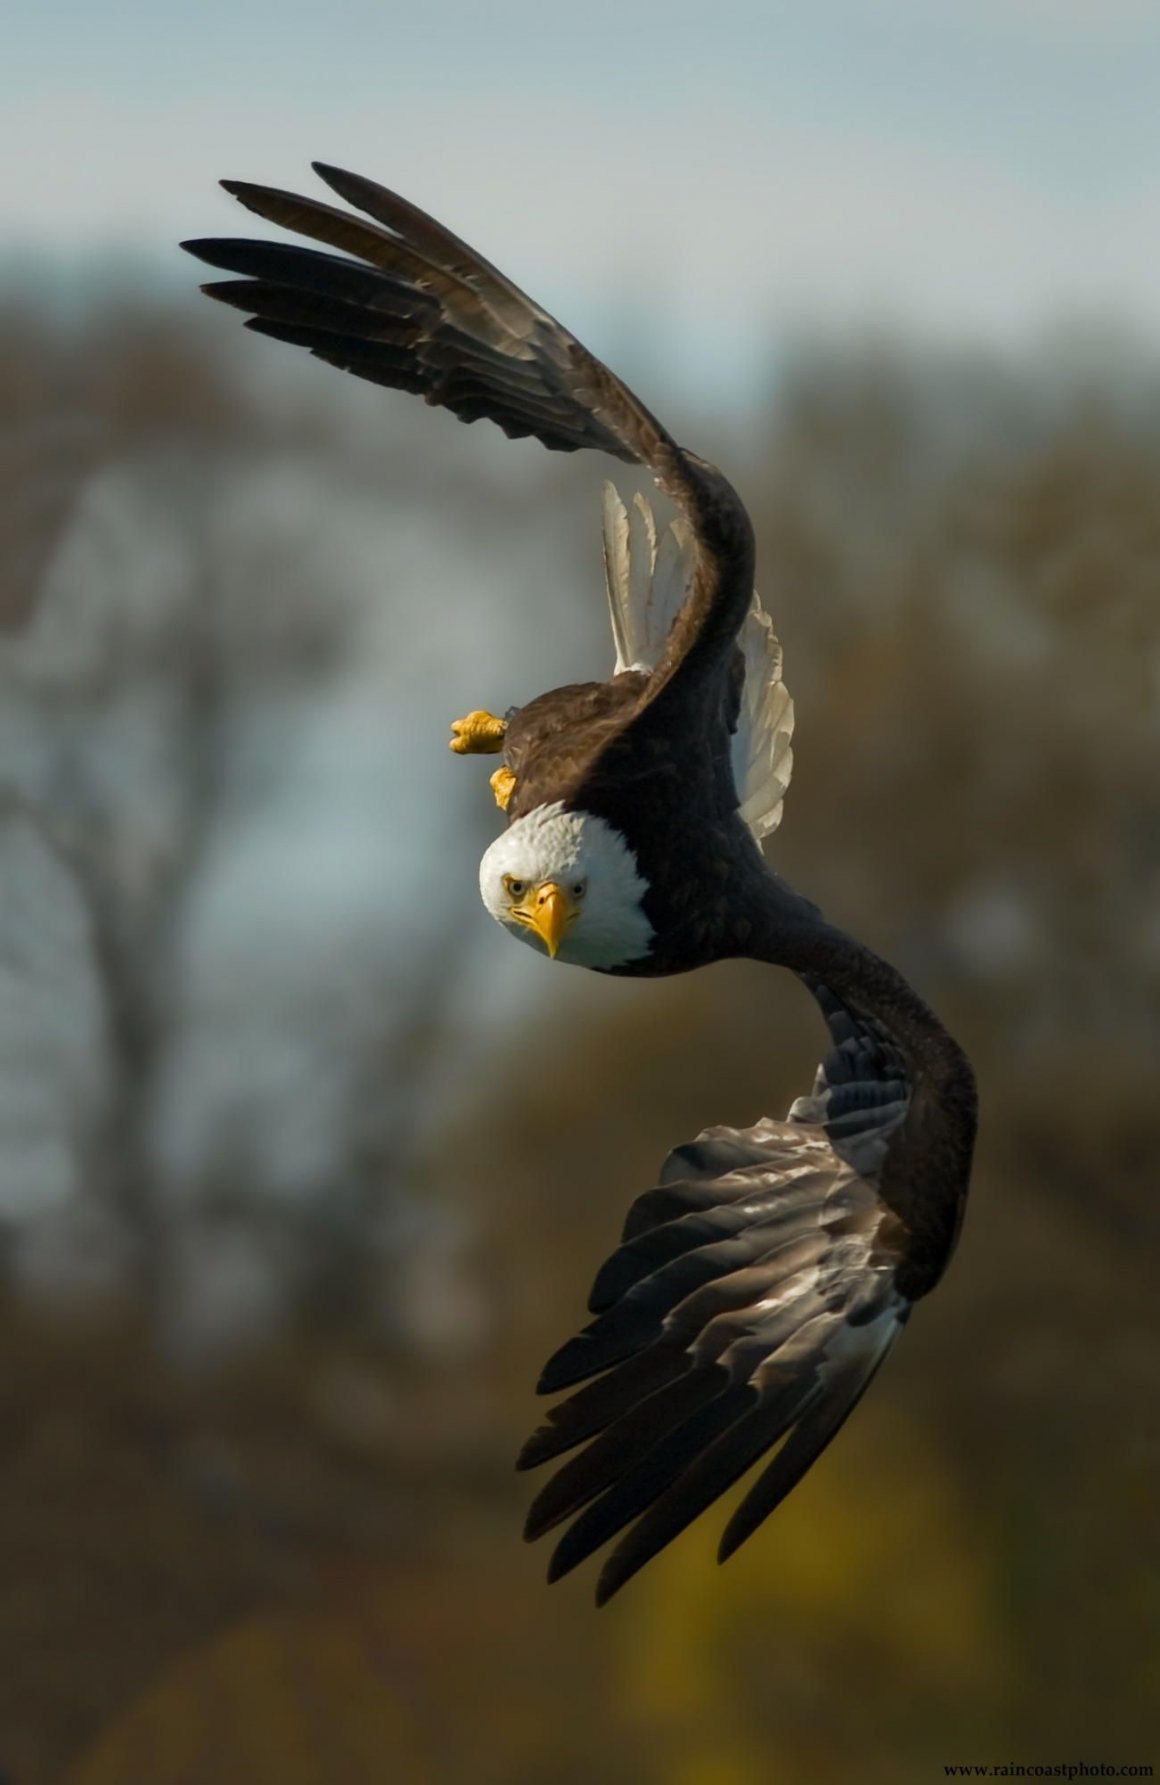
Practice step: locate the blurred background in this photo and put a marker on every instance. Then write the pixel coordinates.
(295, 1193)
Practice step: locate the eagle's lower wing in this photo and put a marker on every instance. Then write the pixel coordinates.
(751, 1301)
(406, 303)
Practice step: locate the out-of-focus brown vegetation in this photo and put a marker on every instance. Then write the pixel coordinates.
(257, 1512)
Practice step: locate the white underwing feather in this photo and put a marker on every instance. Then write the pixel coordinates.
(616, 574)
(647, 579)
(642, 554)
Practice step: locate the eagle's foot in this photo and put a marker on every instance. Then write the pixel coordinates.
(503, 785)
(479, 734)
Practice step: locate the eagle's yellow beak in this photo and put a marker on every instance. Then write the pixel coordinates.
(548, 910)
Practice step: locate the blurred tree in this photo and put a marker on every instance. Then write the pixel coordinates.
(265, 1102)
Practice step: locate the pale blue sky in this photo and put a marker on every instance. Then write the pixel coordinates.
(975, 171)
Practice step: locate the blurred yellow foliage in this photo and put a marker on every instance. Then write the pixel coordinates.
(291, 1697)
(870, 1570)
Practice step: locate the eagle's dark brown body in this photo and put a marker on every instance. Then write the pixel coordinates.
(668, 789)
(759, 1286)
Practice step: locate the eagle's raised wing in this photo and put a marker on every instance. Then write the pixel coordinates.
(751, 1300)
(647, 577)
(417, 309)
(406, 303)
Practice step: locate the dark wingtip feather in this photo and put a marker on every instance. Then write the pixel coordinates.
(205, 248)
(647, 1480)
(728, 1455)
(560, 1565)
(226, 291)
(553, 1438)
(595, 1407)
(798, 1454)
(541, 1518)
(733, 1536)
(614, 1575)
(772, 1487)
(534, 1527)
(346, 185)
(607, 1586)
(624, 1446)
(328, 172)
(263, 325)
(534, 1450)
(599, 1347)
(569, 1365)
(260, 198)
(574, 1548)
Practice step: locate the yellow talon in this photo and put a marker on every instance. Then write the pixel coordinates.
(480, 734)
(503, 785)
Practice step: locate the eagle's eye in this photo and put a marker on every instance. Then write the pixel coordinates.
(515, 888)
(579, 888)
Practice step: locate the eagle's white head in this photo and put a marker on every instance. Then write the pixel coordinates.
(569, 884)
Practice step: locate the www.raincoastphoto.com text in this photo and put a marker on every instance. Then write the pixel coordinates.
(1062, 1769)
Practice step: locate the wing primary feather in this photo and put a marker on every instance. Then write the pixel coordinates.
(758, 1208)
(595, 1406)
(339, 229)
(806, 1443)
(621, 1447)
(312, 309)
(436, 242)
(640, 1486)
(307, 269)
(639, 1316)
(703, 1481)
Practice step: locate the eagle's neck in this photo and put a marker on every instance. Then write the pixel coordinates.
(819, 951)
(924, 1175)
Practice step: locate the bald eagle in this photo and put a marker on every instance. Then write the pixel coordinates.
(759, 1285)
